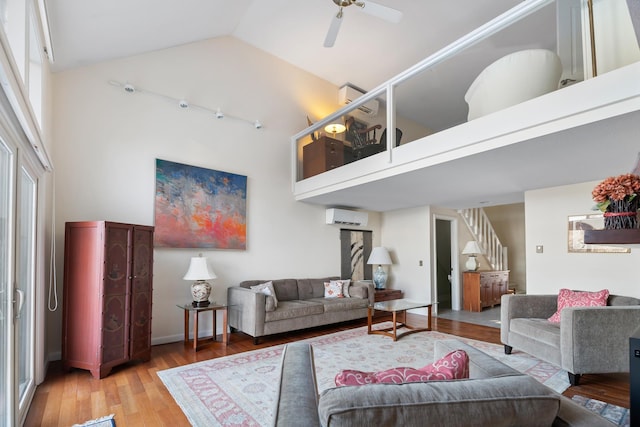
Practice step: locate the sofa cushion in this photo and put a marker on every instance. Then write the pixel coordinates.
(293, 309)
(356, 291)
(540, 329)
(508, 401)
(312, 288)
(453, 366)
(618, 300)
(569, 298)
(340, 304)
(286, 289)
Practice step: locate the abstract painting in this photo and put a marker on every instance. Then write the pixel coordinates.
(355, 250)
(199, 208)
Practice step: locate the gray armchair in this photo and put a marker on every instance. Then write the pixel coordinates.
(588, 340)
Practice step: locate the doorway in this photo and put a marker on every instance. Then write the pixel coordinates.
(443, 264)
(445, 272)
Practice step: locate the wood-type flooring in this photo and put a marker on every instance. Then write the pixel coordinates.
(135, 394)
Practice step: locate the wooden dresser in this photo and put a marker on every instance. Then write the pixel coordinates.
(482, 289)
(324, 154)
(108, 274)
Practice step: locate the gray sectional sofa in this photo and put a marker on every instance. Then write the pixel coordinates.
(588, 340)
(494, 395)
(301, 305)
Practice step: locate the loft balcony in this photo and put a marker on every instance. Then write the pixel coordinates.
(584, 129)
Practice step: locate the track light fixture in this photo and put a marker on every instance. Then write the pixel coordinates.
(183, 103)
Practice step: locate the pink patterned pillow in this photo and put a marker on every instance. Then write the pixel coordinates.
(453, 366)
(569, 298)
(333, 289)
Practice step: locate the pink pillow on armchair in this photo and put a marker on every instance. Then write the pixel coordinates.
(569, 298)
(453, 366)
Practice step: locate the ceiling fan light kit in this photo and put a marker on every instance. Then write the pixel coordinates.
(183, 104)
(374, 9)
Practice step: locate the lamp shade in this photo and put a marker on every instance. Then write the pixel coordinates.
(471, 248)
(335, 128)
(380, 256)
(198, 270)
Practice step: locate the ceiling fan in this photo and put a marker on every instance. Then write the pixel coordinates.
(374, 9)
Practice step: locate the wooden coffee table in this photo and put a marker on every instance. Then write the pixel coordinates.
(398, 308)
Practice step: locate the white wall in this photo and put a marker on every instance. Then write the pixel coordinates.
(407, 234)
(546, 213)
(106, 143)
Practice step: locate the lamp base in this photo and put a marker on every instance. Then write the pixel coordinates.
(472, 263)
(380, 277)
(200, 291)
(199, 304)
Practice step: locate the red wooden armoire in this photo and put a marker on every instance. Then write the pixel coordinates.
(108, 284)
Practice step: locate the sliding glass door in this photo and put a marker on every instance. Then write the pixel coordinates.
(24, 323)
(6, 196)
(18, 220)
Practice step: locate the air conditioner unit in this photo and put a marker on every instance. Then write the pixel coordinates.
(343, 216)
(348, 94)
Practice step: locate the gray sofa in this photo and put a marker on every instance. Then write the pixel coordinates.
(588, 340)
(494, 395)
(301, 305)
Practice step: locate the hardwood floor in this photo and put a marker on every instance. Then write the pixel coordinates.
(135, 394)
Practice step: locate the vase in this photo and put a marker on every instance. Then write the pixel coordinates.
(622, 214)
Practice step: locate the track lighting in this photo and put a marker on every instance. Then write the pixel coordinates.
(182, 103)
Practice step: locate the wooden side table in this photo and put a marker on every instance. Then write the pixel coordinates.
(387, 294)
(188, 308)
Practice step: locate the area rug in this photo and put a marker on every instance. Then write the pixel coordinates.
(106, 421)
(616, 414)
(240, 390)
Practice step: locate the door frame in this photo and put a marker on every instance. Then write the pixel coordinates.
(456, 294)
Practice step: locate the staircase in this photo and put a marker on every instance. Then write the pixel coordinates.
(480, 227)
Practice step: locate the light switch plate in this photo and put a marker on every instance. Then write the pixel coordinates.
(539, 249)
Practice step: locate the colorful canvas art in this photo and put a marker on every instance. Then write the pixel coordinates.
(199, 208)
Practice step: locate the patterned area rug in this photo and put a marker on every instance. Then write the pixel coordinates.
(616, 414)
(240, 390)
(106, 421)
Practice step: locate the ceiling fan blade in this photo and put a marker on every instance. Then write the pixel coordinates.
(332, 34)
(383, 12)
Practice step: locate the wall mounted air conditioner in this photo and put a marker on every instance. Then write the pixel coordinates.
(348, 94)
(347, 217)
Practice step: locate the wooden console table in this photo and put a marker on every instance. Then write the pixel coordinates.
(483, 288)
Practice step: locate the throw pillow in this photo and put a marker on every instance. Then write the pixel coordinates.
(345, 287)
(453, 366)
(569, 298)
(333, 289)
(267, 289)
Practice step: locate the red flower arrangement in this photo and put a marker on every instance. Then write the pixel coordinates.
(617, 198)
(616, 188)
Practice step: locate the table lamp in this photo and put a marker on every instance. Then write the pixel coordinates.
(472, 249)
(335, 128)
(200, 289)
(380, 256)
